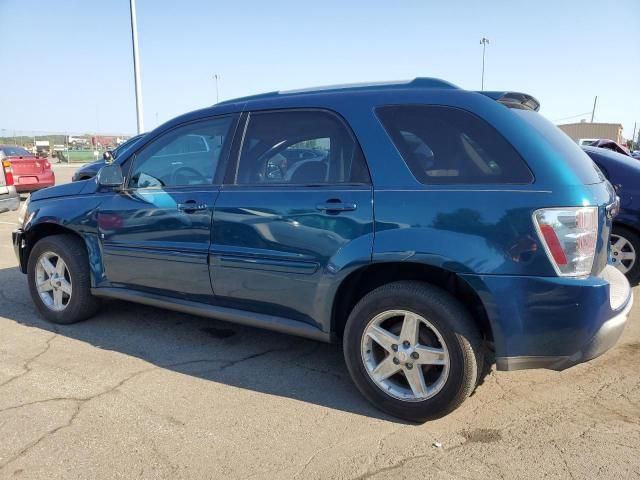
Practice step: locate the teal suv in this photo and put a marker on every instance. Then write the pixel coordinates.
(423, 226)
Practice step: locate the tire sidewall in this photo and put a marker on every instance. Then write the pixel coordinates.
(73, 260)
(456, 338)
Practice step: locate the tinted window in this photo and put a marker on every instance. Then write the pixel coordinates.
(562, 143)
(443, 145)
(185, 156)
(16, 152)
(299, 147)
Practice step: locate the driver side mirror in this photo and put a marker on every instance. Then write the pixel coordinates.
(108, 157)
(110, 176)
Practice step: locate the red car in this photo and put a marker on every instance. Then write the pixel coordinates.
(30, 173)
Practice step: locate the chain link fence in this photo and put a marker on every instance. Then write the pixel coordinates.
(63, 147)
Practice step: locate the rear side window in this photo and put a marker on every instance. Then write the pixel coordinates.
(299, 147)
(449, 146)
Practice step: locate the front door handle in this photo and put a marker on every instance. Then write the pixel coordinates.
(191, 206)
(333, 206)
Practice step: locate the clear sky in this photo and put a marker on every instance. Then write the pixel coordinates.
(67, 65)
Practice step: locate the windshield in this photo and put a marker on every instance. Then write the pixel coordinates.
(16, 152)
(562, 143)
(116, 151)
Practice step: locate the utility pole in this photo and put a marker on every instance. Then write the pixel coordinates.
(136, 66)
(593, 112)
(216, 77)
(484, 42)
(633, 137)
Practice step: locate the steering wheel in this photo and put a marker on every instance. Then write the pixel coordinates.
(192, 173)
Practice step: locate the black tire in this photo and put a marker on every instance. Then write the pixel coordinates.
(633, 275)
(456, 327)
(81, 304)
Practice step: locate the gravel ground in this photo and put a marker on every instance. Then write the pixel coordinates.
(139, 392)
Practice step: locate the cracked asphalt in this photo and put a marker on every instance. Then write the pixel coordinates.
(138, 392)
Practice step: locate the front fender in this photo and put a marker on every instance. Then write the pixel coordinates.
(55, 216)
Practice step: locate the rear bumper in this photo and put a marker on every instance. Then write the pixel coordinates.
(604, 339)
(552, 322)
(36, 181)
(9, 201)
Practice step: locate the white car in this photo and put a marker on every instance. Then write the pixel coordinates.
(9, 198)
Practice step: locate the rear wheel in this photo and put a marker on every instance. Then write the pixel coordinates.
(625, 247)
(59, 281)
(413, 350)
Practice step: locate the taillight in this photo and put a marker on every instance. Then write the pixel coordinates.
(8, 172)
(569, 237)
(46, 165)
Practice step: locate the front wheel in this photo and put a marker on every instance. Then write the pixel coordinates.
(413, 350)
(59, 281)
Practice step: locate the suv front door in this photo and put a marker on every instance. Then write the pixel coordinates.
(295, 207)
(156, 232)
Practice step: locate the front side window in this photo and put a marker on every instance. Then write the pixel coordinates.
(446, 146)
(299, 148)
(186, 156)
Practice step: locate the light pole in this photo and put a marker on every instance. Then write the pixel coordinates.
(216, 77)
(136, 66)
(484, 42)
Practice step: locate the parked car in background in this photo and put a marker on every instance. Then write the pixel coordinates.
(437, 224)
(609, 145)
(587, 141)
(624, 173)
(30, 173)
(91, 169)
(636, 154)
(9, 198)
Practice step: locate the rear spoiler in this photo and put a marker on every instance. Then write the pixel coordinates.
(515, 100)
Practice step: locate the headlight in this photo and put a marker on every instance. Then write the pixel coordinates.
(22, 211)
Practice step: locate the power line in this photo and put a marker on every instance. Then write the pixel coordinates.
(573, 116)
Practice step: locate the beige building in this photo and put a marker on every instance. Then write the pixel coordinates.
(610, 131)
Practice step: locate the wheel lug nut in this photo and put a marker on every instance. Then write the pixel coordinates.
(409, 366)
(394, 347)
(415, 355)
(396, 361)
(406, 344)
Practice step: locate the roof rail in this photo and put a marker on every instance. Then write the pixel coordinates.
(519, 100)
(420, 82)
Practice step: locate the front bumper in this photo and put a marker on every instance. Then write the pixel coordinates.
(552, 322)
(17, 238)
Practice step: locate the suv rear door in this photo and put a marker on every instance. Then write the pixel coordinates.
(283, 224)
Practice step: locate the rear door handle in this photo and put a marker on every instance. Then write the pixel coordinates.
(336, 207)
(191, 206)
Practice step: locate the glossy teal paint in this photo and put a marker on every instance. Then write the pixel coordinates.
(270, 250)
(149, 243)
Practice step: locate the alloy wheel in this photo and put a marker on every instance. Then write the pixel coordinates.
(623, 255)
(53, 281)
(405, 355)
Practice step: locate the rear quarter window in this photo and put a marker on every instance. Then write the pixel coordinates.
(449, 146)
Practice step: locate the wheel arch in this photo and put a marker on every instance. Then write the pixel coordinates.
(38, 232)
(635, 228)
(367, 278)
